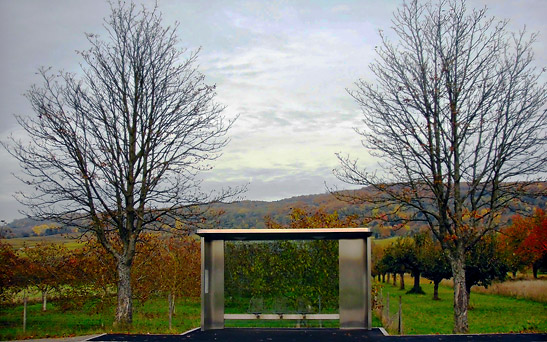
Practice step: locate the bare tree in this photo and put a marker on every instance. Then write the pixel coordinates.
(118, 151)
(457, 116)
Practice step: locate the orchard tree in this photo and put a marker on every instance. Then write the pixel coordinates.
(9, 262)
(456, 115)
(377, 269)
(525, 241)
(45, 265)
(396, 259)
(170, 265)
(536, 241)
(404, 258)
(93, 268)
(484, 263)
(436, 266)
(406, 255)
(417, 263)
(117, 150)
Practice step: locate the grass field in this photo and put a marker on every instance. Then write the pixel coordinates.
(150, 317)
(72, 243)
(524, 288)
(69, 242)
(421, 315)
(384, 242)
(488, 313)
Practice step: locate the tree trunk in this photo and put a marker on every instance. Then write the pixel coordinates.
(44, 300)
(394, 279)
(402, 276)
(383, 277)
(388, 277)
(468, 289)
(124, 310)
(535, 270)
(461, 298)
(436, 290)
(417, 289)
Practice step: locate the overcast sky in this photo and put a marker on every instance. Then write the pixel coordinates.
(282, 66)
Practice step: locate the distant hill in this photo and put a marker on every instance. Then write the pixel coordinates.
(243, 214)
(251, 214)
(26, 227)
(19, 228)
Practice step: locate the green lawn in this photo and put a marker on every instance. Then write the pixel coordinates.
(488, 313)
(150, 317)
(421, 315)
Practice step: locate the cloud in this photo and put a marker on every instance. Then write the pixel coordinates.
(291, 101)
(270, 184)
(297, 86)
(283, 67)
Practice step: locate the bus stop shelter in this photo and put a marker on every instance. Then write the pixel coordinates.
(354, 277)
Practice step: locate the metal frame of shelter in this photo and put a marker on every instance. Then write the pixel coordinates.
(354, 280)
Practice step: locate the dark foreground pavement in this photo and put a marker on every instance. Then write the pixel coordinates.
(310, 335)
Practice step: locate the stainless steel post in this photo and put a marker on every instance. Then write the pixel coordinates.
(368, 287)
(212, 284)
(354, 284)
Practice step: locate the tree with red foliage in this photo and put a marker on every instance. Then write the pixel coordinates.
(536, 242)
(45, 266)
(8, 264)
(525, 241)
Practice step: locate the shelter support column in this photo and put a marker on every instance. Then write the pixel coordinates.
(212, 284)
(355, 284)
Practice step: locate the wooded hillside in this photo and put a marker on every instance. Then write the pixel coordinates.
(251, 214)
